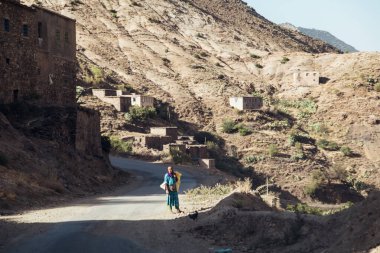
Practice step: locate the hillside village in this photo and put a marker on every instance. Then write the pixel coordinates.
(183, 83)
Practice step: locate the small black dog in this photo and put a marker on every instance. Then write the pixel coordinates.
(194, 215)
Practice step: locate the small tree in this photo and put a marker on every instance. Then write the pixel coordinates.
(346, 151)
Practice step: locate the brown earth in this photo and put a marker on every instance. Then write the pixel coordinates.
(194, 55)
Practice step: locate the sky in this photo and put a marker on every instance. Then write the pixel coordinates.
(356, 22)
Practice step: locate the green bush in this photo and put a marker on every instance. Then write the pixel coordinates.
(305, 209)
(254, 159)
(284, 60)
(279, 125)
(244, 131)
(120, 146)
(377, 87)
(229, 126)
(179, 157)
(3, 160)
(273, 150)
(327, 145)
(346, 151)
(137, 113)
(319, 128)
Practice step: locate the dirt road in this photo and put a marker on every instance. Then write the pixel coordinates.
(118, 222)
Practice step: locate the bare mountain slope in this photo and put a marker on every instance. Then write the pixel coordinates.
(195, 54)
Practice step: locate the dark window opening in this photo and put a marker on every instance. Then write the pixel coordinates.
(57, 35)
(66, 37)
(6, 25)
(15, 95)
(39, 30)
(25, 30)
(8, 61)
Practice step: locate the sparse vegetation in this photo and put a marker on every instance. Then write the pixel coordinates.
(306, 209)
(120, 146)
(279, 125)
(243, 130)
(254, 56)
(179, 157)
(319, 128)
(114, 13)
(317, 179)
(327, 145)
(346, 151)
(254, 159)
(228, 126)
(284, 60)
(273, 150)
(137, 113)
(299, 153)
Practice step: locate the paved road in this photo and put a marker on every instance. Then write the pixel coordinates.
(76, 228)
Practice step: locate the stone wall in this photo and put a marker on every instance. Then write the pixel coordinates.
(87, 137)
(18, 65)
(38, 54)
(121, 104)
(197, 151)
(165, 131)
(207, 163)
(101, 93)
(153, 142)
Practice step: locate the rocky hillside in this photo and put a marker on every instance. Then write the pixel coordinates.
(195, 54)
(324, 36)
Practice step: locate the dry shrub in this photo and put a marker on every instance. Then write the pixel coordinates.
(243, 186)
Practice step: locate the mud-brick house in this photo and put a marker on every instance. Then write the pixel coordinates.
(246, 103)
(141, 101)
(37, 55)
(306, 78)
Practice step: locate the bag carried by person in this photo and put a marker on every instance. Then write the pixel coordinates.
(163, 186)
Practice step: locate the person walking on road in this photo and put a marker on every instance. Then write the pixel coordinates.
(171, 181)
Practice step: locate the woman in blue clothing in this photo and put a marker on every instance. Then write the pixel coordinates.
(171, 189)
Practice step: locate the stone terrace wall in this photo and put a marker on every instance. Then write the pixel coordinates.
(88, 138)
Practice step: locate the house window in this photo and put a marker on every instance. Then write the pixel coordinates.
(6, 25)
(25, 30)
(58, 35)
(8, 61)
(66, 37)
(39, 30)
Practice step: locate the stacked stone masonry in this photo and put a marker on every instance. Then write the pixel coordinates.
(37, 54)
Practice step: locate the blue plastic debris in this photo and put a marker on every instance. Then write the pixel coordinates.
(223, 251)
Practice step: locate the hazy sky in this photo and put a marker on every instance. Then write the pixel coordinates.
(356, 22)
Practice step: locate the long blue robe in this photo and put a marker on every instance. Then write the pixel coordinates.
(172, 199)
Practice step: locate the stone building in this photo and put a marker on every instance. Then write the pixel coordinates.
(247, 103)
(37, 55)
(197, 151)
(153, 141)
(165, 131)
(121, 100)
(307, 78)
(141, 101)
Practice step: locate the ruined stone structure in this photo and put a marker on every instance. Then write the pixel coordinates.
(37, 55)
(197, 151)
(247, 103)
(307, 78)
(121, 100)
(153, 141)
(165, 131)
(173, 146)
(87, 137)
(185, 140)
